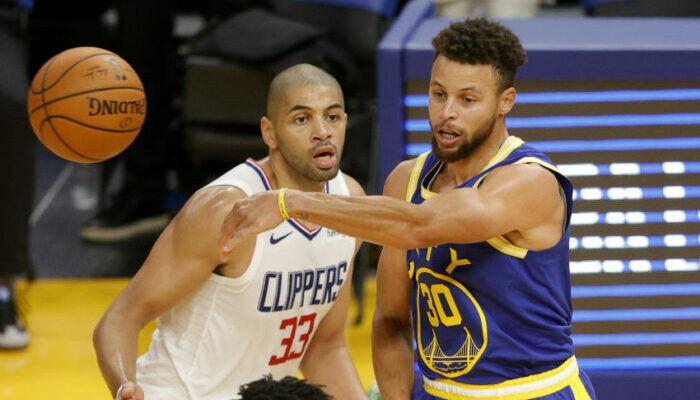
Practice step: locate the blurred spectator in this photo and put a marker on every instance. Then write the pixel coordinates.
(17, 165)
(136, 206)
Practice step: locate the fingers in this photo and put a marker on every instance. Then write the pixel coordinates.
(129, 391)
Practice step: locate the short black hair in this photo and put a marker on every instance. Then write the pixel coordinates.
(287, 388)
(480, 41)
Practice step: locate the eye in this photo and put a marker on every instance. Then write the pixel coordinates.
(438, 93)
(333, 117)
(301, 119)
(467, 99)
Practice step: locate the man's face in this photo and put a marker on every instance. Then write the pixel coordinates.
(310, 130)
(463, 107)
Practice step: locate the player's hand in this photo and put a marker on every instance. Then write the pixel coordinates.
(129, 391)
(249, 216)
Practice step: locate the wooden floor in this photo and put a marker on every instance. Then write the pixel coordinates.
(60, 363)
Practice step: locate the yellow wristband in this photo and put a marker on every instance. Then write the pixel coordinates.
(280, 204)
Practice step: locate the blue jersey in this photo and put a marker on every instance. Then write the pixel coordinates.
(488, 312)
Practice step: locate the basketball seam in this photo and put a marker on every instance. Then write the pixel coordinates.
(43, 89)
(92, 126)
(47, 119)
(79, 93)
(90, 159)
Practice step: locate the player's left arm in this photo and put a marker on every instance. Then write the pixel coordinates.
(327, 361)
(522, 199)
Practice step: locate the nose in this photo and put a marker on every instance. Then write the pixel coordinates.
(322, 131)
(449, 109)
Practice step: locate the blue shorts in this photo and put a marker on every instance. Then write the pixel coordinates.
(571, 392)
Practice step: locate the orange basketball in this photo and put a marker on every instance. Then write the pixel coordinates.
(86, 104)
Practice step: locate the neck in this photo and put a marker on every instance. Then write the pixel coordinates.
(282, 175)
(461, 171)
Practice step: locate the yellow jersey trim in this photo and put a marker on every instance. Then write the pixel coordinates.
(512, 143)
(415, 173)
(535, 160)
(579, 390)
(529, 387)
(504, 246)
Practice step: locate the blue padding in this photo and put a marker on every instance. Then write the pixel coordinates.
(635, 338)
(592, 3)
(570, 146)
(387, 8)
(390, 86)
(640, 363)
(637, 314)
(650, 290)
(421, 100)
(586, 48)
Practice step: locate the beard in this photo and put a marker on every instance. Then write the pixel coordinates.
(304, 167)
(467, 147)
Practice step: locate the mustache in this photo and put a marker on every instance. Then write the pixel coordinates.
(327, 143)
(448, 126)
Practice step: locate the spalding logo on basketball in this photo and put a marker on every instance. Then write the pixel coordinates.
(86, 104)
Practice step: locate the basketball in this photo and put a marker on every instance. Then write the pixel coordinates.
(86, 104)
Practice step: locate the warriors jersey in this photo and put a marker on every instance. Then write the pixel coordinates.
(490, 312)
(231, 331)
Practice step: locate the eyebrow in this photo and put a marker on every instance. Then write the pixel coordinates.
(303, 107)
(472, 88)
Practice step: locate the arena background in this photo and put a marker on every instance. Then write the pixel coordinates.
(611, 92)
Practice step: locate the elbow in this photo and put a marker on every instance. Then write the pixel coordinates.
(418, 236)
(384, 326)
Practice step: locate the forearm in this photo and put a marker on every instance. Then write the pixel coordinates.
(116, 349)
(378, 219)
(333, 368)
(392, 357)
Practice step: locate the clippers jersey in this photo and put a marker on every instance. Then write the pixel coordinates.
(231, 331)
(488, 312)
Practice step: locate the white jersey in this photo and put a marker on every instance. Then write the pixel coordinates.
(231, 331)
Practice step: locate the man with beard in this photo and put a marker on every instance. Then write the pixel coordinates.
(279, 302)
(475, 264)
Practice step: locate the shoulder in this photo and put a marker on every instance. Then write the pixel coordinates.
(210, 203)
(397, 181)
(525, 174)
(354, 187)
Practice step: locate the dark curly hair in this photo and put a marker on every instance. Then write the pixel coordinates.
(480, 41)
(287, 388)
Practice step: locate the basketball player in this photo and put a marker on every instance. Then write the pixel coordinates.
(475, 236)
(279, 302)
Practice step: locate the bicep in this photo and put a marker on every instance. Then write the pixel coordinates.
(184, 255)
(513, 198)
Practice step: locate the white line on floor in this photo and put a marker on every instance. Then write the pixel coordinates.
(51, 194)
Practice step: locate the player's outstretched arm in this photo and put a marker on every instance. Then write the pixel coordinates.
(392, 350)
(181, 259)
(327, 361)
(512, 198)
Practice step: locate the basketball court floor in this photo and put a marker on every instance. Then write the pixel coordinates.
(60, 362)
(75, 283)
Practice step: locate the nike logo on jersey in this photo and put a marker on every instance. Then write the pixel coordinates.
(274, 240)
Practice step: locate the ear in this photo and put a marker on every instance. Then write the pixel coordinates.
(267, 129)
(506, 101)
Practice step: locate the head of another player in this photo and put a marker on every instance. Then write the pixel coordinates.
(287, 388)
(305, 122)
(471, 85)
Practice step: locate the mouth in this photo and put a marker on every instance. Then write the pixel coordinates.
(324, 157)
(446, 136)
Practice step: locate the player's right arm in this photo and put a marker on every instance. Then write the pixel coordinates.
(392, 344)
(182, 258)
